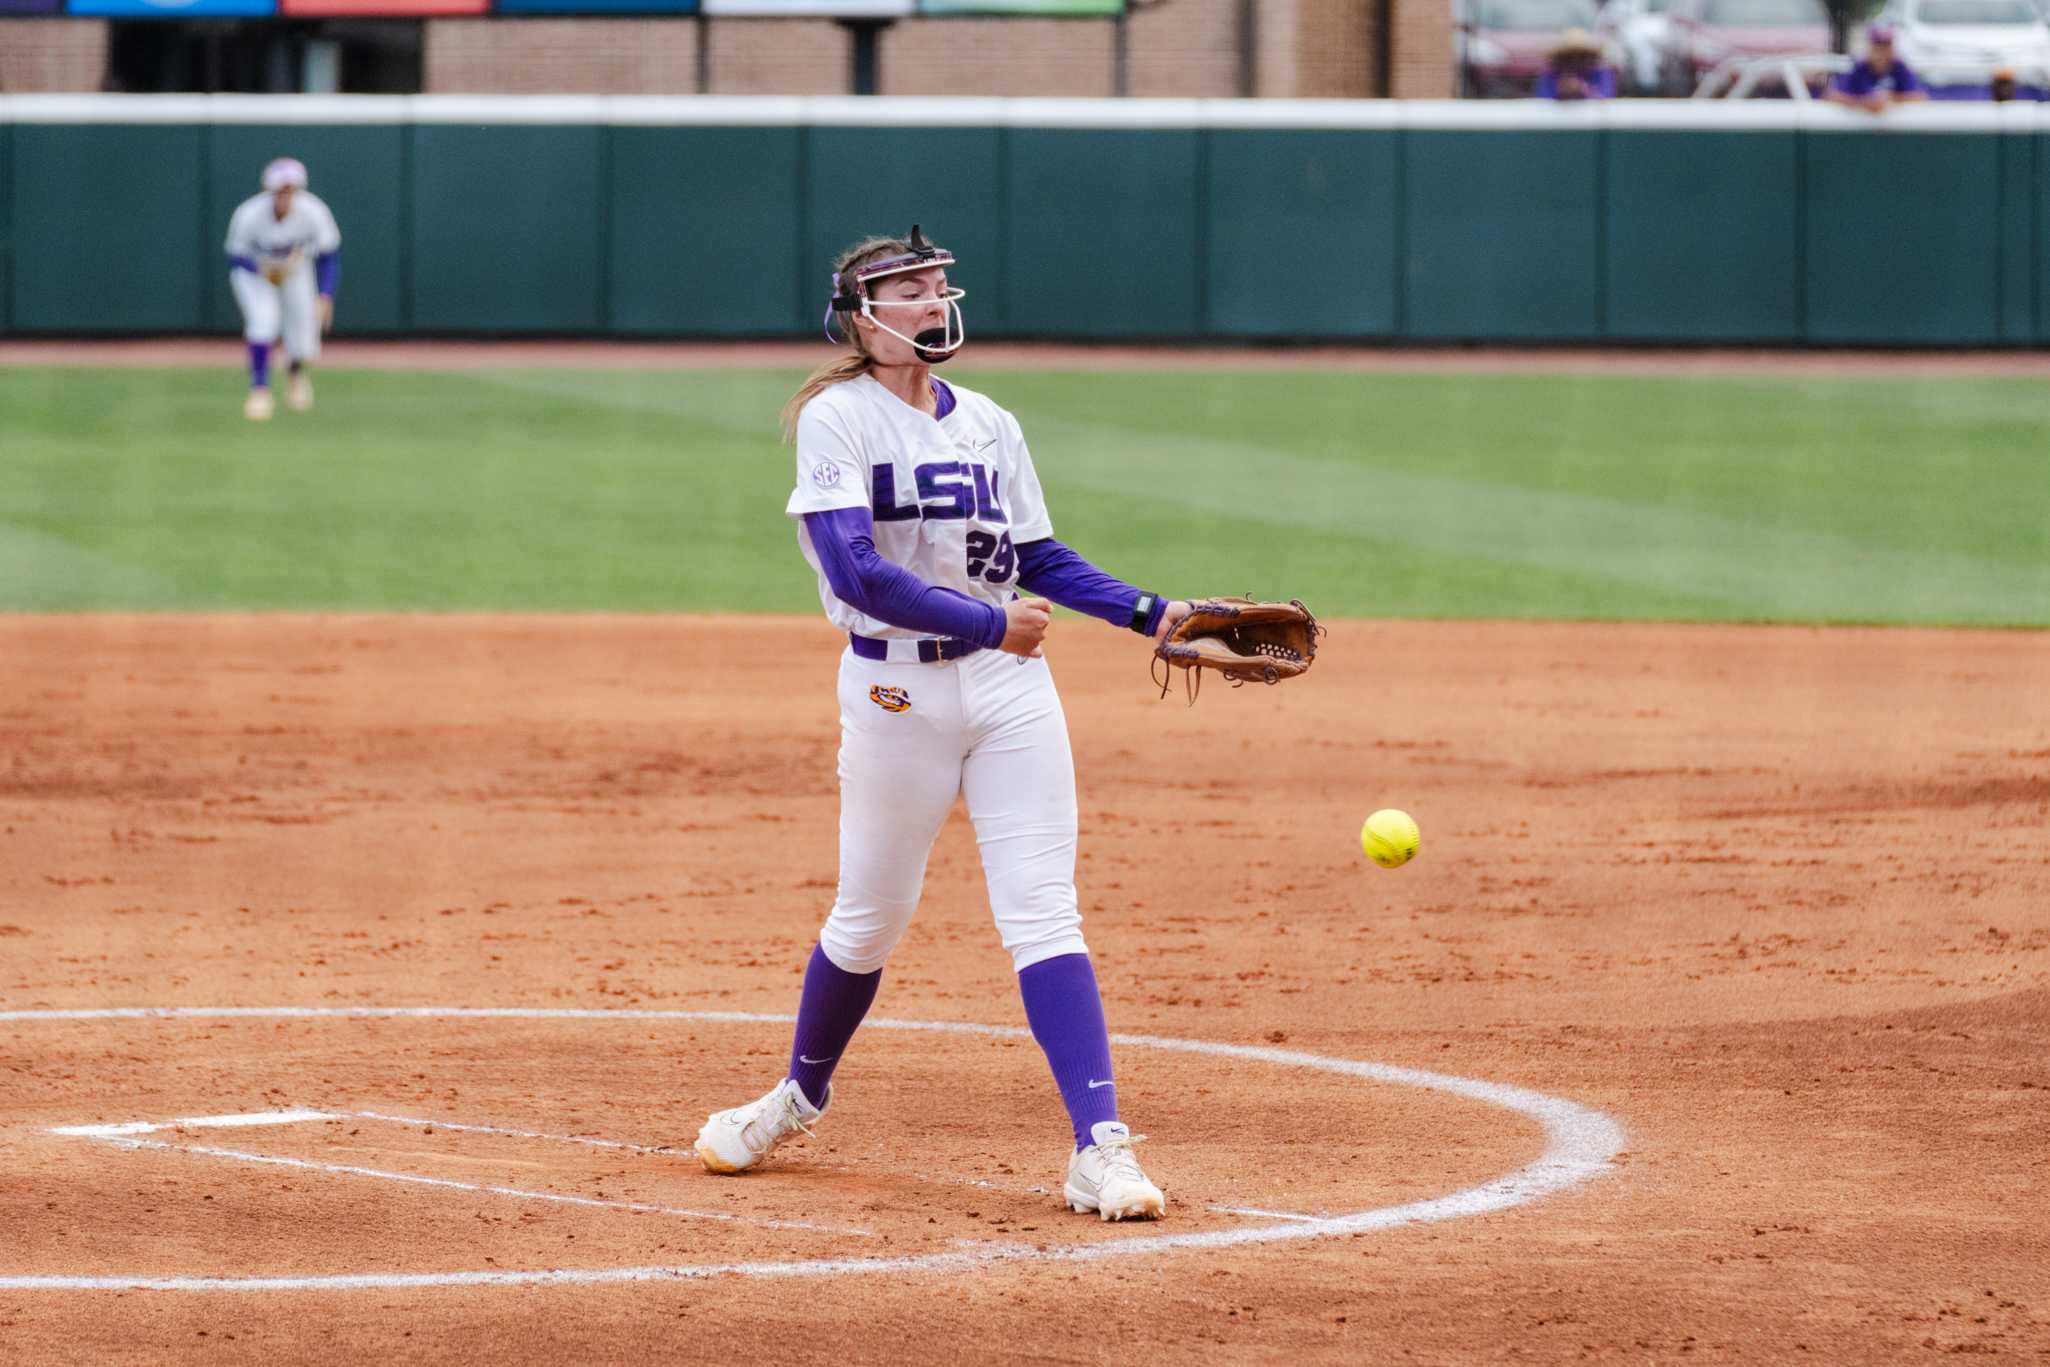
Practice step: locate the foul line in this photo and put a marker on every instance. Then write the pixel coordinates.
(1580, 1143)
(192, 1122)
(347, 1170)
(419, 1121)
(121, 1136)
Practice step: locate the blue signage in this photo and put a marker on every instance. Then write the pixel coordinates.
(173, 9)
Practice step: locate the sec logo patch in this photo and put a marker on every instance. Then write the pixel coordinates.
(825, 474)
(890, 699)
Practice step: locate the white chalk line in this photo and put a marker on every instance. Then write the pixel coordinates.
(254, 1118)
(1580, 1143)
(416, 1179)
(192, 1122)
(122, 1136)
(520, 1134)
(1263, 1214)
(1022, 1189)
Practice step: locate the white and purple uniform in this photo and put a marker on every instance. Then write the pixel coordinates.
(920, 529)
(951, 508)
(278, 268)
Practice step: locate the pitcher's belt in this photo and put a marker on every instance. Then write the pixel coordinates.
(928, 651)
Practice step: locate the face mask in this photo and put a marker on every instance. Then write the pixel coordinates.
(931, 345)
(935, 344)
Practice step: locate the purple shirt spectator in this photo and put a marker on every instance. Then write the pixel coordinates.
(1596, 83)
(1862, 80)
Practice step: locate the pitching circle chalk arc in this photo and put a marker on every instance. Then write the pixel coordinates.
(1580, 1143)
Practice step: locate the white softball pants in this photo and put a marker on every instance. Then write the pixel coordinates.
(985, 726)
(290, 310)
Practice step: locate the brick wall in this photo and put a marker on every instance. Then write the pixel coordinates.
(1175, 48)
(1420, 65)
(1313, 49)
(780, 57)
(1275, 54)
(1185, 49)
(1335, 46)
(1006, 57)
(41, 56)
(560, 57)
(634, 56)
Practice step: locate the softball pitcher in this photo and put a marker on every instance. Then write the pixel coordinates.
(285, 259)
(917, 506)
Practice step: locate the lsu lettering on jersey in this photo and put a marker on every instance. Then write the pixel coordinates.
(280, 246)
(952, 497)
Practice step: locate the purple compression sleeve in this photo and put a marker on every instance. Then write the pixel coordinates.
(327, 271)
(1048, 568)
(844, 539)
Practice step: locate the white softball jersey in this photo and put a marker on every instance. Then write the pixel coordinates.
(281, 301)
(951, 498)
(282, 245)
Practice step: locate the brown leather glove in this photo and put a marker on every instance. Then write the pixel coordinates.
(1242, 639)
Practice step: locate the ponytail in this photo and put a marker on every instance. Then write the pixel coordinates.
(850, 366)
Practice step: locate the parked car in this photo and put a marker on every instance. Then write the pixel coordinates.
(1959, 43)
(1707, 33)
(1643, 31)
(1500, 46)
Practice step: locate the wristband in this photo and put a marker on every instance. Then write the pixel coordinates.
(1142, 613)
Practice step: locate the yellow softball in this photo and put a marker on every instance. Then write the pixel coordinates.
(1390, 838)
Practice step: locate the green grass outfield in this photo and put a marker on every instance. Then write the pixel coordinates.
(1526, 496)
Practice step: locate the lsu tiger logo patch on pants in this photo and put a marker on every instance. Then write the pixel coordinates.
(890, 699)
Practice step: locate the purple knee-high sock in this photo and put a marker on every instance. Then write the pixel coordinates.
(259, 365)
(833, 1004)
(1065, 1012)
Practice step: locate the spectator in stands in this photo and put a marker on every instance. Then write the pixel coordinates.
(1879, 79)
(2002, 87)
(1577, 69)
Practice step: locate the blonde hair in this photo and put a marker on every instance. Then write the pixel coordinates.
(854, 362)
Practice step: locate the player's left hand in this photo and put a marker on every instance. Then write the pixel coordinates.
(327, 312)
(1245, 640)
(1174, 612)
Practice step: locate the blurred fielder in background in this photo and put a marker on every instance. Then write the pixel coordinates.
(285, 254)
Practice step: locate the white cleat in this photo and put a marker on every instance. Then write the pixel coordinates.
(258, 406)
(736, 1140)
(299, 393)
(1105, 1177)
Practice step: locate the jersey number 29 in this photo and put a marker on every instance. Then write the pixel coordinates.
(991, 557)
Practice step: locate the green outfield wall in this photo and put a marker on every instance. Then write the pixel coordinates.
(1674, 222)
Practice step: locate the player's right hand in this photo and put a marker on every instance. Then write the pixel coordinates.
(1025, 624)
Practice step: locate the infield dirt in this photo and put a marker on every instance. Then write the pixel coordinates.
(1777, 900)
